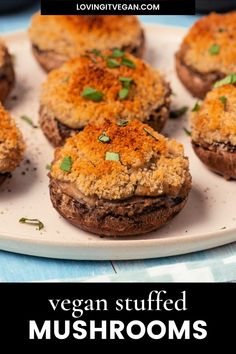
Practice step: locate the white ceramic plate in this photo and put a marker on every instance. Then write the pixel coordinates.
(208, 220)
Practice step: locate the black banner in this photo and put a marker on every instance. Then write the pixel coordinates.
(121, 313)
(114, 7)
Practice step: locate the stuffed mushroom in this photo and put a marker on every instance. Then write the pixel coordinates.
(208, 53)
(119, 178)
(214, 129)
(7, 76)
(98, 85)
(56, 39)
(11, 145)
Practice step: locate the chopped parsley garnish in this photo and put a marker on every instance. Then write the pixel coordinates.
(223, 99)
(126, 81)
(123, 93)
(214, 49)
(66, 164)
(92, 94)
(221, 30)
(117, 53)
(34, 222)
(230, 79)
(88, 55)
(122, 123)
(196, 107)
(96, 52)
(29, 121)
(65, 80)
(149, 133)
(187, 132)
(48, 167)
(112, 63)
(178, 112)
(112, 156)
(127, 62)
(104, 138)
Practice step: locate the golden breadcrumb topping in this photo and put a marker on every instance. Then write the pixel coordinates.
(216, 119)
(72, 35)
(61, 93)
(11, 143)
(211, 44)
(146, 163)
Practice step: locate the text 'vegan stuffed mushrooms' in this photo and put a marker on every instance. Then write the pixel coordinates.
(207, 53)
(214, 129)
(56, 39)
(7, 76)
(99, 85)
(11, 145)
(119, 178)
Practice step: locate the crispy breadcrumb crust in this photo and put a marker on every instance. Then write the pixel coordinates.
(11, 143)
(149, 164)
(73, 35)
(215, 29)
(215, 122)
(61, 93)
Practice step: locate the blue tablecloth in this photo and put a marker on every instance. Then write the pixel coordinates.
(214, 265)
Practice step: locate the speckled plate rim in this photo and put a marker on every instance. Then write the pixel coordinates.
(118, 249)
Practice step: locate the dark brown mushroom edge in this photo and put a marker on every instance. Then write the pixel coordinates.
(7, 75)
(214, 131)
(11, 145)
(99, 85)
(122, 179)
(207, 54)
(57, 39)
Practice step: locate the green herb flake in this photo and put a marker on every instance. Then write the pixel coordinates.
(123, 93)
(214, 49)
(112, 156)
(178, 112)
(104, 138)
(126, 81)
(34, 222)
(117, 53)
(29, 121)
(122, 123)
(88, 55)
(96, 52)
(48, 167)
(230, 79)
(187, 132)
(223, 99)
(112, 63)
(127, 62)
(196, 107)
(221, 30)
(66, 164)
(149, 133)
(92, 94)
(65, 80)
